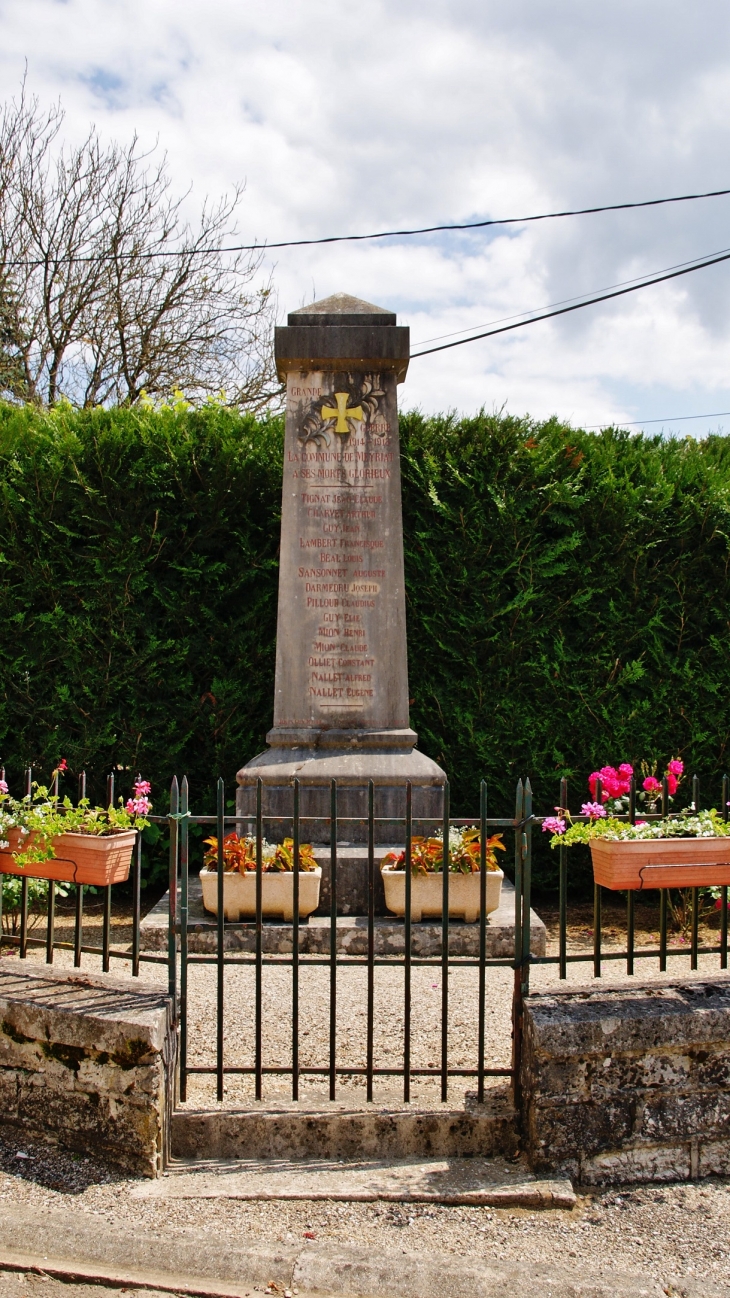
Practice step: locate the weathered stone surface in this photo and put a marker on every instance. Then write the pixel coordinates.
(298, 1133)
(341, 692)
(629, 1083)
(87, 1063)
(352, 932)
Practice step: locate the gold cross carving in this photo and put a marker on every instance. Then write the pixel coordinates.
(341, 413)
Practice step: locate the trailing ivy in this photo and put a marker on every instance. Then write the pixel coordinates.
(568, 596)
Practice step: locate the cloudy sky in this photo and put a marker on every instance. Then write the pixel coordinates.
(345, 116)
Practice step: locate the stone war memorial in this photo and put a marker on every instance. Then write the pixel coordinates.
(341, 693)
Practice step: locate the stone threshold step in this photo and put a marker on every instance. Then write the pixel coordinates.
(493, 1183)
(488, 1130)
(351, 930)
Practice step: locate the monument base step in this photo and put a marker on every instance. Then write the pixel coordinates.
(296, 1132)
(352, 932)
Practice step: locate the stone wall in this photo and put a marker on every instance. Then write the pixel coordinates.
(88, 1063)
(629, 1084)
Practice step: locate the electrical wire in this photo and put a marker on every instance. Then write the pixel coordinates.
(578, 306)
(562, 301)
(673, 419)
(383, 234)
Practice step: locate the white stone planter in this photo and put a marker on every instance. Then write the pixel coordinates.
(427, 892)
(277, 893)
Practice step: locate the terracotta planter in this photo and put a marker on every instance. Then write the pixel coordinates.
(661, 863)
(277, 893)
(80, 858)
(427, 894)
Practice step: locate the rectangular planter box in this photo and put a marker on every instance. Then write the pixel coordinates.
(661, 863)
(80, 858)
(427, 892)
(277, 893)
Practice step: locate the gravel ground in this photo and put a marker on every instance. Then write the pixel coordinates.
(662, 1232)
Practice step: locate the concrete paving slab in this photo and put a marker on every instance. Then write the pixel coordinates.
(476, 1181)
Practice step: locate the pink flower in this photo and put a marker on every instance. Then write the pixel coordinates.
(672, 783)
(614, 783)
(62, 766)
(675, 767)
(137, 806)
(593, 809)
(641, 822)
(3, 786)
(553, 825)
(141, 787)
(651, 785)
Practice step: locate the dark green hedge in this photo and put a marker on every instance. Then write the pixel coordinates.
(568, 595)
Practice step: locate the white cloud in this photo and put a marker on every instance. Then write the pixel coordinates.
(345, 116)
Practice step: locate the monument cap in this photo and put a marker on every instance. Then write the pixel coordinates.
(341, 309)
(345, 333)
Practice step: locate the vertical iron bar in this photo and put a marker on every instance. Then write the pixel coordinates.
(24, 918)
(51, 923)
(563, 889)
(79, 916)
(445, 948)
(665, 796)
(695, 927)
(407, 951)
(78, 925)
(24, 885)
(630, 898)
(597, 905)
(695, 891)
(184, 838)
(173, 824)
(517, 992)
(295, 956)
(107, 891)
(106, 928)
(259, 1062)
(371, 939)
(526, 890)
(482, 937)
(136, 904)
(662, 930)
(724, 891)
(220, 934)
(333, 938)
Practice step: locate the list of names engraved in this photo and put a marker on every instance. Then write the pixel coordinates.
(341, 660)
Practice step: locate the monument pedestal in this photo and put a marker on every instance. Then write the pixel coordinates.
(341, 694)
(352, 758)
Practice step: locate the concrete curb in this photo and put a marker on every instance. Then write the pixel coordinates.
(213, 1268)
(115, 1278)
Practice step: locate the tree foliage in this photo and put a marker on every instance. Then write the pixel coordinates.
(106, 291)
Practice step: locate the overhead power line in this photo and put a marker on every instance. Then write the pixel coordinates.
(380, 234)
(670, 419)
(577, 306)
(562, 301)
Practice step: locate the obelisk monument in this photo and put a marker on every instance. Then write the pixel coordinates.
(341, 692)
